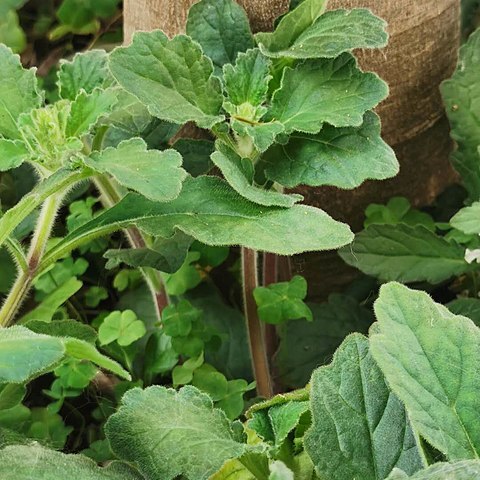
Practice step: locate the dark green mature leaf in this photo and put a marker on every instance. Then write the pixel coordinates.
(39, 463)
(222, 29)
(18, 92)
(467, 219)
(196, 155)
(156, 175)
(341, 157)
(465, 470)
(333, 91)
(12, 154)
(86, 71)
(333, 33)
(430, 358)
(174, 79)
(404, 253)
(64, 328)
(360, 429)
(168, 433)
(306, 345)
(208, 210)
(461, 95)
(230, 164)
(467, 307)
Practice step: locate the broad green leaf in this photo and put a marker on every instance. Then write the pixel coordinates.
(18, 93)
(156, 175)
(407, 254)
(207, 379)
(86, 71)
(333, 91)
(208, 210)
(12, 154)
(174, 79)
(11, 394)
(279, 471)
(283, 301)
(305, 345)
(122, 327)
(467, 307)
(39, 463)
(467, 219)
(341, 157)
(291, 26)
(11, 33)
(230, 164)
(464, 470)
(430, 359)
(461, 95)
(222, 29)
(167, 433)
(64, 328)
(25, 354)
(195, 154)
(262, 134)
(333, 33)
(360, 429)
(233, 470)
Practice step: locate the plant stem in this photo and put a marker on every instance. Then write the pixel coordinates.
(110, 197)
(255, 328)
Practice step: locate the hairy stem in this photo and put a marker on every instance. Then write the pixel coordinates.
(255, 328)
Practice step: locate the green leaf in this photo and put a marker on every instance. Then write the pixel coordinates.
(429, 357)
(291, 26)
(465, 470)
(208, 210)
(334, 91)
(178, 319)
(467, 219)
(233, 470)
(76, 374)
(64, 328)
(262, 134)
(87, 71)
(283, 301)
(7, 5)
(12, 154)
(25, 354)
(175, 82)
(279, 471)
(207, 379)
(156, 175)
(360, 429)
(11, 394)
(341, 157)
(230, 164)
(39, 463)
(221, 28)
(11, 33)
(183, 374)
(18, 93)
(196, 155)
(467, 307)
(94, 296)
(407, 254)
(185, 278)
(333, 33)
(305, 345)
(168, 434)
(461, 95)
(122, 327)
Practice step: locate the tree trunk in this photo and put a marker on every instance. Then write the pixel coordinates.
(424, 38)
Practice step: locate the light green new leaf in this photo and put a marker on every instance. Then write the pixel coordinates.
(283, 301)
(12, 154)
(174, 79)
(230, 164)
(360, 429)
(167, 433)
(156, 175)
(333, 33)
(18, 92)
(18, 462)
(461, 95)
(341, 157)
(467, 219)
(210, 211)
(86, 71)
(291, 26)
(333, 91)
(279, 471)
(404, 253)
(122, 327)
(262, 134)
(11, 33)
(24, 354)
(465, 470)
(222, 29)
(431, 358)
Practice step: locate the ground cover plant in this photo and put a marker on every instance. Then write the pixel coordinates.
(135, 336)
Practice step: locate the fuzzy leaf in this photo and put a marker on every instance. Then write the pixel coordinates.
(430, 359)
(156, 175)
(341, 157)
(407, 254)
(360, 429)
(279, 471)
(18, 92)
(461, 95)
(334, 91)
(64, 328)
(12, 154)
(174, 79)
(167, 433)
(333, 33)
(465, 470)
(467, 219)
(222, 29)
(262, 134)
(466, 307)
